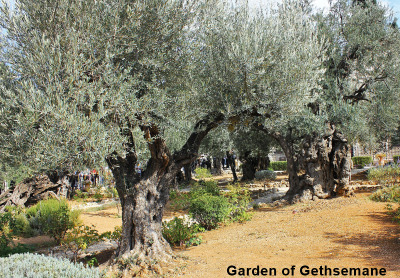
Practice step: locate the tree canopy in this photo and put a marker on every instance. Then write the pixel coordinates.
(89, 83)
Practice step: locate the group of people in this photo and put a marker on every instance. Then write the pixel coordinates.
(80, 180)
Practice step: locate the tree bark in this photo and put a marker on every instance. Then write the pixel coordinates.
(143, 198)
(249, 166)
(217, 166)
(143, 206)
(32, 190)
(188, 172)
(231, 163)
(321, 169)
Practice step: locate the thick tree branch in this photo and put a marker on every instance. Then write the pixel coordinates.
(188, 152)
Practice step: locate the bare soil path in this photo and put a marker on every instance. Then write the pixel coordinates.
(339, 233)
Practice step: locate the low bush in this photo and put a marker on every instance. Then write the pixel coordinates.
(182, 200)
(202, 173)
(362, 160)
(389, 194)
(395, 213)
(209, 210)
(40, 266)
(179, 232)
(7, 234)
(179, 200)
(278, 165)
(265, 174)
(111, 192)
(203, 187)
(80, 238)
(53, 218)
(20, 225)
(396, 159)
(385, 175)
(79, 195)
(239, 199)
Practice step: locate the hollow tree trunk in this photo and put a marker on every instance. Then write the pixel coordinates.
(321, 169)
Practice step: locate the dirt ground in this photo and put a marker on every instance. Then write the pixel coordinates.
(338, 233)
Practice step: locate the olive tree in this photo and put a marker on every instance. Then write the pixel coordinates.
(116, 82)
(105, 82)
(357, 100)
(270, 62)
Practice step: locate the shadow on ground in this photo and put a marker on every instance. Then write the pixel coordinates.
(382, 247)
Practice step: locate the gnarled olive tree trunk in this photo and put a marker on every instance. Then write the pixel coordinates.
(249, 166)
(217, 161)
(321, 169)
(143, 202)
(143, 199)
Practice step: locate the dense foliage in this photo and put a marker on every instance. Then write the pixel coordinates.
(128, 82)
(389, 175)
(8, 233)
(278, 165)
(52, 217)
(388, 194)
(362, 160)
(209, 211)
(181, 232)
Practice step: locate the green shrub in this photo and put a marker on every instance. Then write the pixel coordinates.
(396, 158)
(40, 266)
(20, 225)
(279, 165)
(179, 232)
(362, 160)
(239, 199)
(265, 174)
(111, 192)
(79, 195)
(80, 238)
(7, 246)
(179, 200)
(209, 186)
(395, 213)
(115, 235)
(53, 218)
(202, 173)
(385, 175)
(388, 194)
(17, 221)
(209, 210)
